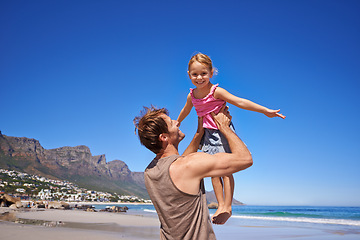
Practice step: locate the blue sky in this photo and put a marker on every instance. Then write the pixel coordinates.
(77, 72)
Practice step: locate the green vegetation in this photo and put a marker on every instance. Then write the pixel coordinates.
(31, 186)
(15, 163)
(82, 173)
(22, 184)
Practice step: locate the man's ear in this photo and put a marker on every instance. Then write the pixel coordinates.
(163, 137)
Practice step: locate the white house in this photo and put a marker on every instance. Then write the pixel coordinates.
(45, 194)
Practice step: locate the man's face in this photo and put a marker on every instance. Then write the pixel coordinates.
(175, 134)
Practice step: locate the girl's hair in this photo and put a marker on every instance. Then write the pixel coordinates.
(149, 126)
(203, 59)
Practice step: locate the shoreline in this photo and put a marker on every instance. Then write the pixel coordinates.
(56, 224)
(108, 203)
(33, 224)
(90, 203)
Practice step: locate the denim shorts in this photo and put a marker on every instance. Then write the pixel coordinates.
(214, 141)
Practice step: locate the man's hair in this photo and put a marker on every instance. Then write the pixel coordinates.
(149, 125)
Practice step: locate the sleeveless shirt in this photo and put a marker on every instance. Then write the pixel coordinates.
(206, 105)
(182, 216)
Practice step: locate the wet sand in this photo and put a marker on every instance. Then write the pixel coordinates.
(77, 224)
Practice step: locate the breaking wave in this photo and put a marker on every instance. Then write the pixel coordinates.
(302, 220)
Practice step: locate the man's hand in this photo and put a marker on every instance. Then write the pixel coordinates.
(223, 118)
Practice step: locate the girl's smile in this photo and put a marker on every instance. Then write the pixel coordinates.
(200, 74)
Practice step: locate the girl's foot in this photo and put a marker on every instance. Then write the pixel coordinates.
(221, 216)
(218, 211)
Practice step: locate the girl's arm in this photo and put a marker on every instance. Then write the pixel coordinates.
(186, 109)
(222, 94)
(194, 144)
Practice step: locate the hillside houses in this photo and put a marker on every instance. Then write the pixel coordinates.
(41, 188)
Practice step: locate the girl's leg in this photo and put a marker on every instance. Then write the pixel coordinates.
(229, 185)
(225, 212)
(219, 194)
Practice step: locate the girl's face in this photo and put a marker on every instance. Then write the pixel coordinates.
(200, 74)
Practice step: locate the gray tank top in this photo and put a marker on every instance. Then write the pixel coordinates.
(182, 216)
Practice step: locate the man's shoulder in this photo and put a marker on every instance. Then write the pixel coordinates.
(161, 161)
(195, 155)
(190, 158)
(186, 171)
(151, 164)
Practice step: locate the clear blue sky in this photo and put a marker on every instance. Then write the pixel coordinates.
(77, 72)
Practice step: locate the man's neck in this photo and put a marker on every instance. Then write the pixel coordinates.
(168, 151)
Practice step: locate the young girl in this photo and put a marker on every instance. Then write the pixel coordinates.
(207, 98)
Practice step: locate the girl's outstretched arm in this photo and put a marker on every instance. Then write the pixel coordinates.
(186, 109)
(221, 93)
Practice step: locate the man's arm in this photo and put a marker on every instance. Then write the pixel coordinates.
(187, 171)
(222, 164)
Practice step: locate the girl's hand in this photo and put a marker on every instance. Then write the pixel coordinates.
(274, 113)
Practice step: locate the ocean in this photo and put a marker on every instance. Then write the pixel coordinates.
(339, 221)
(347, 216)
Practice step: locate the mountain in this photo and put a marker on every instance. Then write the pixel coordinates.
(74, 164)
(211, 198)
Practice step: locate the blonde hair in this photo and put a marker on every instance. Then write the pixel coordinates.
(203, 59)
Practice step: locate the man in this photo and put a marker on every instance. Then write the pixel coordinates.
(175, 183)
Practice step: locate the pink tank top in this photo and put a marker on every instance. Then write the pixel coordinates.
(206, 105)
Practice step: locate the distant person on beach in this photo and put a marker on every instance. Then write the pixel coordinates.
(175, 183)
(208, 98)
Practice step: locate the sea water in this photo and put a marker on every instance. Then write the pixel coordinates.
(279, 222)
(302, 214)
(347, 216)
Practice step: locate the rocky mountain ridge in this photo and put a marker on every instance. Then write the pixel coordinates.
(75, 164)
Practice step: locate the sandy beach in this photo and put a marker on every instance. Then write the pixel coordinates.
(77, 224)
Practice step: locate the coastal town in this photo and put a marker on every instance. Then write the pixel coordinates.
(32, 187)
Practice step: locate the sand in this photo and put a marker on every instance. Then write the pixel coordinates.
(77, 224)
